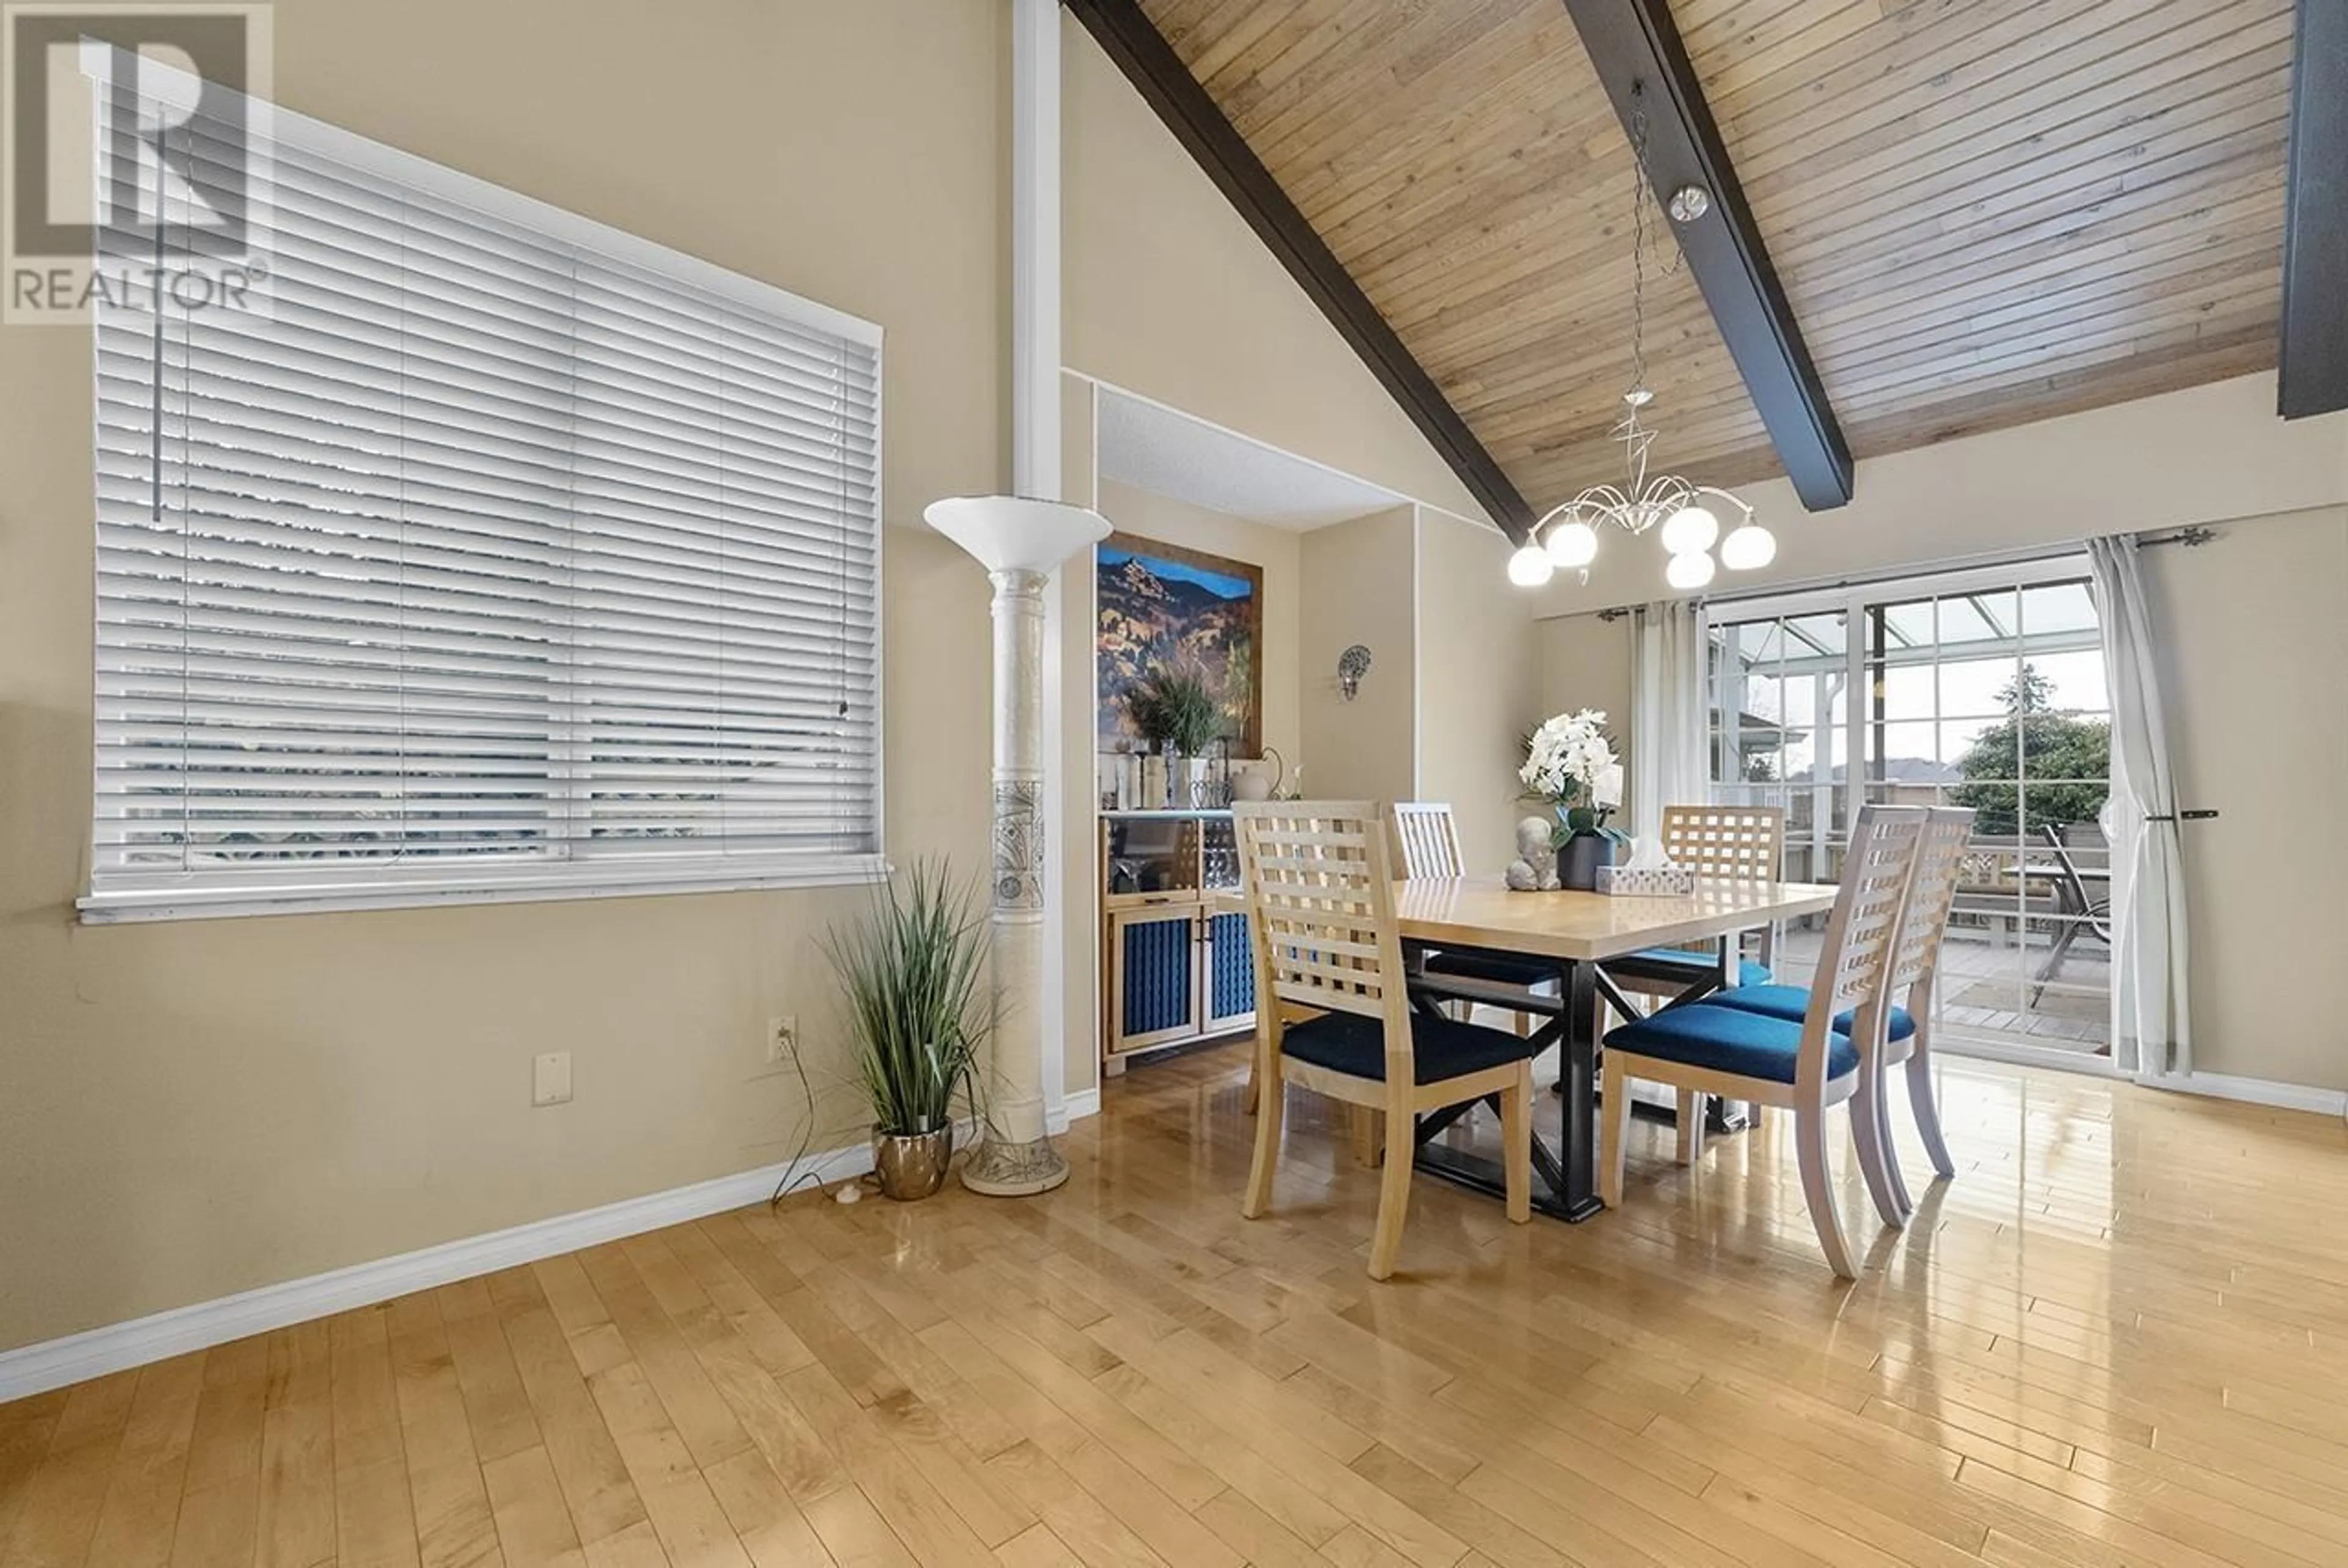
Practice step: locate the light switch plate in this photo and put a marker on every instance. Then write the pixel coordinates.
(551, 1078)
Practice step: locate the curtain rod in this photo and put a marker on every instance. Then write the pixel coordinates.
(2191, 536)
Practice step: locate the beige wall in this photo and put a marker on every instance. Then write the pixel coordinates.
(1585, 662)
(1360, 586)
(1479, 684)
(2255, 638)
(193, 1109)
(1171, 294)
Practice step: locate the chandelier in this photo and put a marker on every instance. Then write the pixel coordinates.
(1687, 514)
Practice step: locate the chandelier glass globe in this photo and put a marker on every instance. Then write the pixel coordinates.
(1688, 572)
(1747, 548)
(1529, 567)
(1691, 530)
(1573, 546)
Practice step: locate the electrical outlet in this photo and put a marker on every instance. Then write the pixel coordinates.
(550, 1082)
(782, 1038)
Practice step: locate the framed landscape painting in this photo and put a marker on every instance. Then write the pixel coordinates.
(1161, 604)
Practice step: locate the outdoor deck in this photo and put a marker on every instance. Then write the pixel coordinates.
(1985, 988)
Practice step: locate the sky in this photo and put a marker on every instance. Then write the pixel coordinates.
(1221, 584)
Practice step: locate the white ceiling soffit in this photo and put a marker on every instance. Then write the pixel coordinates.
(1152, 447)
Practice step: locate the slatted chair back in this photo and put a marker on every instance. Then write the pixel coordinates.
(1743, 842)
(1862, 935)
(1940, 861)
(1318, 880)
(1429, 837)
(1739, 842)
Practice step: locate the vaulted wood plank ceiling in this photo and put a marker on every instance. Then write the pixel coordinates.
(1984, 212)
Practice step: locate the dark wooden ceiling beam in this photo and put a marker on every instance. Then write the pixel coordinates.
(1150, 64)
(1640, 59)
(2314, 378)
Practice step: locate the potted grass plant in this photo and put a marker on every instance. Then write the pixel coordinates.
(1176, 711)
(910, 966)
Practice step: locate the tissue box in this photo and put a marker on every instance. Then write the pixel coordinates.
(1648, 881)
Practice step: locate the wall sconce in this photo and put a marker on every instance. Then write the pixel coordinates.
(1352, 665)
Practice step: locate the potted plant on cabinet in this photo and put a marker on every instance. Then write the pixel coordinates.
(917, 1017)
(1176, 711)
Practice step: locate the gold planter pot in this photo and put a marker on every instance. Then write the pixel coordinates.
(912, 1164)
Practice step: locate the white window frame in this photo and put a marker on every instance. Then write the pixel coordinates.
(1851, 601)
(394, 885)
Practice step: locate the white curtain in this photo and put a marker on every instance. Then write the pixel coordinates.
(2151, 1035)
(1668, 728)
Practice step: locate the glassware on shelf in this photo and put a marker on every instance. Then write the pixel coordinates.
(1153, 855)
(1219, 855)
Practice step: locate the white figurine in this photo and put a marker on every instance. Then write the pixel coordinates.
(1534, 869)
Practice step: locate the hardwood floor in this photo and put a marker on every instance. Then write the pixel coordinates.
(2118, 1339)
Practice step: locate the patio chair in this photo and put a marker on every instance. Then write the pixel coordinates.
(2074, 908)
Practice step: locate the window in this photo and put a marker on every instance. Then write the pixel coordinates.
(503, 554)
(1982, 689)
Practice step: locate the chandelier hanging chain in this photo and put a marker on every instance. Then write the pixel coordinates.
(1638, 243)
(1643, 196)
(1566, 535)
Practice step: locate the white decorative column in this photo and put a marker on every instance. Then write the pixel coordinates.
(1018, 542)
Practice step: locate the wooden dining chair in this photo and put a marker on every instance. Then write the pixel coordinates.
(1429, 836)
(1736, 842)
(1807, 1067)
(1908, 1025)
(1318, 880)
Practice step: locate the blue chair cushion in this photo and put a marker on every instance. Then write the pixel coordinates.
(1500, 967)
(1792, 1003)
(1441, 1047)
(1667, 962)
(1727, 1039)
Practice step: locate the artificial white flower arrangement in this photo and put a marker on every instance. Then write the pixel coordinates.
(1570, 762)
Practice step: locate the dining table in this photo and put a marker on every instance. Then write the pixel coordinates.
(1575, 934)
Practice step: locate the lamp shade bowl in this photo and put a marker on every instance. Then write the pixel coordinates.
(1015, 533)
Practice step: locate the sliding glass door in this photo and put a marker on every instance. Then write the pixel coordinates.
(1982, 689)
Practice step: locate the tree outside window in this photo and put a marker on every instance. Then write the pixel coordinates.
(2035, 763)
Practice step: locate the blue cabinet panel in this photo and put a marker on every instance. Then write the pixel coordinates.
(1230, 968)
(1159, 975)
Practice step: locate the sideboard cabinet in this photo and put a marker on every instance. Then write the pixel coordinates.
(1177, 970)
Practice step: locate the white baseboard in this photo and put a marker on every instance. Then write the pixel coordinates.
(53, 1364)
(2215, 1085)
(1084, 1103)
(2262, 1091)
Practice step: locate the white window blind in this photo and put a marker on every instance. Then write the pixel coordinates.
(502, 554)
